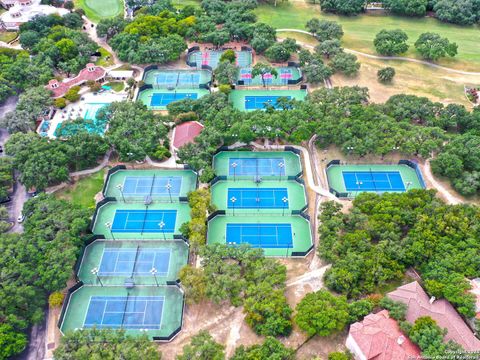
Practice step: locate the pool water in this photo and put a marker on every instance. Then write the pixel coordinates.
(90, 123)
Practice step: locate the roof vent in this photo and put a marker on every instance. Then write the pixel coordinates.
(401, 340)
(432, 299)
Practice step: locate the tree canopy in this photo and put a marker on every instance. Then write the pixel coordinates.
(202, 347)
(391, 42)
(432, 46)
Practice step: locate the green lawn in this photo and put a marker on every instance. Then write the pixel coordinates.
(83, 191)
(116, 85)
(97, 10)
(102, 61)
(7, 36)
(361, 30)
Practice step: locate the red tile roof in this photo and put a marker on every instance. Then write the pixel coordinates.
(91, 72)
(379, 337)
(439, 310)
(475, 283)
(186, 133)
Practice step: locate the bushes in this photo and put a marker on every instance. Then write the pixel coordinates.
(72, 94)
(386, 75)
(55, 299)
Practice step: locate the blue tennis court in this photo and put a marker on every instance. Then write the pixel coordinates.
(262, 102)
(257, 166)
(152, 185)
(260, 235)
(253, 198)
(173, 79)
(144, 221)
(134, 261)
(132, 312)
(373, 181)
(163, 99)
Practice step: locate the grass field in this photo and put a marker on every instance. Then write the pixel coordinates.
(410, 78)
(116, 85)
(97, 10)
(83, 191)
(102, 61)
(361, 30)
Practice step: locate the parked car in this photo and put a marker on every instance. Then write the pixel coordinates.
(20, 218)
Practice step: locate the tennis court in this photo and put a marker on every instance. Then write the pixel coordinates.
(267, 195)
(174, 79)
(163, 99)
(152, 185)
(257, 167)
(134, 261)
(260, 235)
(276, 235)
(265, 198)
(144, 221)
(125, 312)
(373, 181)
(123, 221)
(249, 100)
(159, 184)
(141, 310)
(284, 76)
(156, 99)
(263, 102)
(255, 164)
(211, 58)
(350, 180)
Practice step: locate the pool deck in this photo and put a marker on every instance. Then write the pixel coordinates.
(78, 109)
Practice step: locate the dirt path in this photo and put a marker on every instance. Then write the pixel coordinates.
(400, 58)
(449, 197)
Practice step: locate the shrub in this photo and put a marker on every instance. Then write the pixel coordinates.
(60, 103)
(386, 75)
(225, 88)
(72, 95)
(56, 299)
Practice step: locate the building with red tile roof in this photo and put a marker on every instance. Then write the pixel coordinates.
(186, 133)
(419, 304)
(91, 72)
(379, 337)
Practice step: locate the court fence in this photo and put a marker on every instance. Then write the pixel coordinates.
(66, 302)
(414, 166)
(175, 332)
(97, 209)
(110, 172)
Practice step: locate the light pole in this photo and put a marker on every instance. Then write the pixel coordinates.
(94, 271)
(162, 227)
(233, 199)
(234, 166)
(408, 184)
(130, 154)
(169, 188)
(120, 188)
(154, 272)
(281, 166)
(285, 200)
(108, 225)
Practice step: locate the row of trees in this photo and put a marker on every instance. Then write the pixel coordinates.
(463, 12)
(35, 264)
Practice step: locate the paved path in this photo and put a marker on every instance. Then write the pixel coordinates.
(400, 58)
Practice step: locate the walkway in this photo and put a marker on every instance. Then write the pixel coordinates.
(449, 198)
(400, 58)
(96, 169)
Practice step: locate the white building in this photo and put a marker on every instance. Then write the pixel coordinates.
(22, 11)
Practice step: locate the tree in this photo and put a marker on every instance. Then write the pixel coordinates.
(6, 177)
(339, 356)
(72, 94)
(358, 309)
(391, 42)
(345, 63)
(228, 55)
(432, 46)
(134, 131)
(31, 105)
(322, 313)
(386, 75)
(202, 347)
(11, 341)
(226, 73)
(193, 282)
(263, 37)
(406, 7)
(262, 69)
(329, 48)
(397, 310)
(105, 344)
(317, 72)
(463, 12)
(324, 29)
(344, 7)
(277, 53)
(271, 349)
